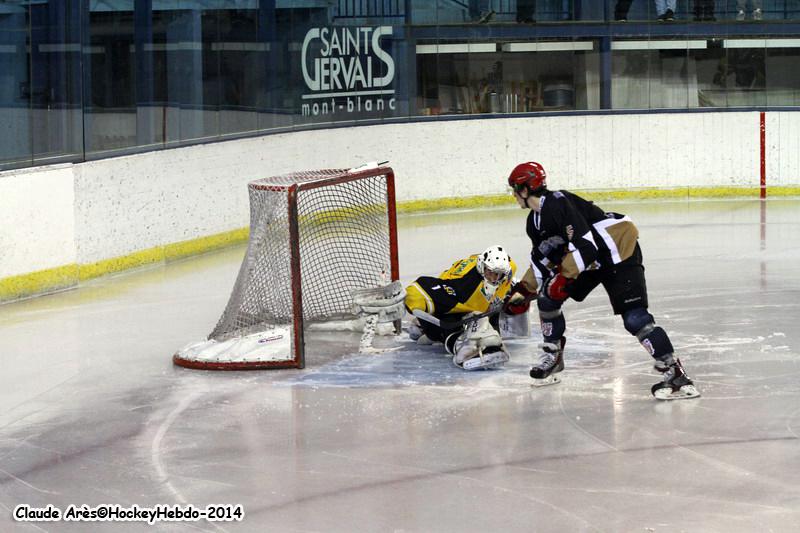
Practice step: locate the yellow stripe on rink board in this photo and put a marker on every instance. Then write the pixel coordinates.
(50, 280)
(54, 279)
(597, 195)
(205, 244)
(467, 202)
(169, 252)
(123, 262)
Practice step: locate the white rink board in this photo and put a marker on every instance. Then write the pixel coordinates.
(128, 204)
(37, 227)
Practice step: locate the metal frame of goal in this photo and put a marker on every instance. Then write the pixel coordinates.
(315, 237)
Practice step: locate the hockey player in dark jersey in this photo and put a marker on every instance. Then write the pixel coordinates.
(576, 247)
(473, 285)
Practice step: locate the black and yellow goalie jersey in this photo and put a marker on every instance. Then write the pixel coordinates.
(457, 290)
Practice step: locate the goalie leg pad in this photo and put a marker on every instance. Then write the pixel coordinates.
(414, 330)
(489, 359)
(477, 334)
(478, 347)
(514, 326)
(417, 333)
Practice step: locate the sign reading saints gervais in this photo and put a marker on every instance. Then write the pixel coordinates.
(347, 70)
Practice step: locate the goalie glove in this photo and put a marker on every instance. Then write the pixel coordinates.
(386, 302)
(518, 300)
(555, 287)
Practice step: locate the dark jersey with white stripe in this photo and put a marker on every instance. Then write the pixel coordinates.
(575, 235)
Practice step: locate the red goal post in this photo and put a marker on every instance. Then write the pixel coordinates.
(315, 237)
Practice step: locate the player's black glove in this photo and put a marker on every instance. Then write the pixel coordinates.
(518, 300)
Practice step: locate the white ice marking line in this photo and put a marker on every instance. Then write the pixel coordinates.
(732, 469)
(789, 424)
(720, 464)
(155, 447)
(537, 470)
(155, 450)
(18, 443)
(670, 494)
(553, 506)
(579, 428)
(4, 506)
(101, 463)
(8, 410)
(15, 478)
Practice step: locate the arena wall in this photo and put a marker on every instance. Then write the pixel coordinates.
(68, 223)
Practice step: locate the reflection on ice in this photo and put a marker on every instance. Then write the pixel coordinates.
(94, 411)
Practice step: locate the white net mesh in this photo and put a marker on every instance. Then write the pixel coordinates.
(344, 243)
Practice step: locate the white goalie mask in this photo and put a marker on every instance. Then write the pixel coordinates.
(495, 267)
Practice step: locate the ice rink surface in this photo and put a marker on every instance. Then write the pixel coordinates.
(93, 411)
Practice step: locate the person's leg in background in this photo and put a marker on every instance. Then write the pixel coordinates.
(704, 10)
(621, 10)
(758, 13)
(479, 10)
(661, 10)
(741, 6)
(526, 11)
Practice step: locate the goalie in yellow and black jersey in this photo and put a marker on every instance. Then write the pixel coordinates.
(476, 284)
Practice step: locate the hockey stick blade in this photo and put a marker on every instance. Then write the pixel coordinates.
(427, 317)
(448, 324)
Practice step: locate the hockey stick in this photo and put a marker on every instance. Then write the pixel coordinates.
(452, 323)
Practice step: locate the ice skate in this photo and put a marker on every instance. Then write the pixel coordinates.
(550, 364)
(675, 384)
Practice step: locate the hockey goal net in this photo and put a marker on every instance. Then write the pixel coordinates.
(314, 238)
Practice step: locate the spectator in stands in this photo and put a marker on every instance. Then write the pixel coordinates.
(665, 10)
(756, 4)
(704, 10)
(621, 10)
(479, 11)
(742, 68)
(526, 11)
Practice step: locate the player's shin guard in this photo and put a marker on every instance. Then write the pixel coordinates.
(551, 319)
(655, 341)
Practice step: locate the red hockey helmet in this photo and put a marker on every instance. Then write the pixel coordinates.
(530, 175)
